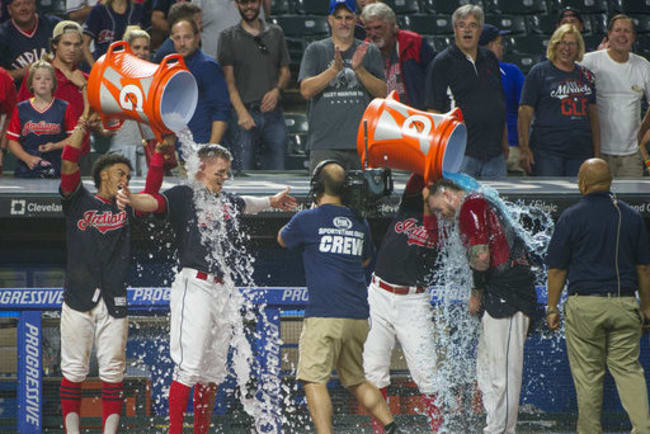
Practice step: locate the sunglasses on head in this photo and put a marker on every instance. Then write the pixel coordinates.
(261, 45)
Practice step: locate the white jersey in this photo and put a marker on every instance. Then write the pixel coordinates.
(620, 88)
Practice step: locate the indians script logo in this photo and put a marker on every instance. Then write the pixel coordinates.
(417, 234)
(104, 222)
(40, 128)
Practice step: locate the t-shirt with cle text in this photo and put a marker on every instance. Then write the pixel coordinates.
(334, 242)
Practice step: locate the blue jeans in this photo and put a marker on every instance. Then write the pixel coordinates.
(264, 145)
(494, 167)
(548, 164)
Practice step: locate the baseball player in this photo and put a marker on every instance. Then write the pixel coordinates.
(199, 295)
(400, 302)
(94, 308)
(504, 285)
(39, 126)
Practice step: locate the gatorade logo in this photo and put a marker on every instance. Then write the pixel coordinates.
(418, 126)
(128, 94)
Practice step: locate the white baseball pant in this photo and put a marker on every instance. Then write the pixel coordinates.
(499, 367)
(409, 318)
(80, 330)
(200, 328)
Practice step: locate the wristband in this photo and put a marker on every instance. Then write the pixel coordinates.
(71, 154)
(647, 163)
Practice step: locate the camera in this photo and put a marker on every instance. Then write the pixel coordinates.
(364, 189)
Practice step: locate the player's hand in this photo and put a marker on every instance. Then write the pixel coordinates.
(338, 59)
(283, 201)
(77, 78)
(474, 304)
(553, 321)
(94, 121)
(270, 100)
(33, 161)
(526, 160)
(425, 198)
(49, 146)
(359, 54)
(167, 144)
(123, 197)
(245, 121)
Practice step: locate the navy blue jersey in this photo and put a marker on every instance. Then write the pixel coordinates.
(32, 128)
(19, 49)
(334, 242)
(98, 243)
(105, 26)
(182, 214)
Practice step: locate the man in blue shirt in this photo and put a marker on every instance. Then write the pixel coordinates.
(335, 245)
(600, 245)
(213, 108)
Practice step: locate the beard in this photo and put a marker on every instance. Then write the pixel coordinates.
(247, 19)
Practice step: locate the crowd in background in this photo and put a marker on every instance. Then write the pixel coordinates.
(579, 102)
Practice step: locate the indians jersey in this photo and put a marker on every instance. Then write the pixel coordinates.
(98, 252)
(19, 48)
(408, 250)
(32, 128)
(105, 26)
(182, 214)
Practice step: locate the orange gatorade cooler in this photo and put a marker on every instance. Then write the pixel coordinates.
(401, 137)
(122, 86)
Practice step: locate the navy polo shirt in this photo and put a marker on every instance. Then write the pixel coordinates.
(476, 90)
(584, 242)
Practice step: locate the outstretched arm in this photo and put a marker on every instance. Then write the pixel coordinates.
(281, 200)
(72, 151)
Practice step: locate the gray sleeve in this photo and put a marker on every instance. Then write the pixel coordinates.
(284, 50)
(309, 65)
(224, 50)
(374, 63)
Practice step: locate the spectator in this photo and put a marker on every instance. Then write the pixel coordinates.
(336, 317)
(600, 245)
(39, 126)
(504, 285)
(199, 348)
(106, 24)
(177, 11)
(512, 81)
(24, 38)
(210, 118)
(359, 28)
(561, 95)
(622, 79)
(7, 104)
(570, 15)
(218, 15)
(255, 60)
(78, 10)
(406, 54)
(339, 76)
(128, 140)
(66, 48)
(472, 75)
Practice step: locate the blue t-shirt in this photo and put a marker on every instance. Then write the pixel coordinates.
(560, 100)
(334, 243)
(584, 243)
(512, 81)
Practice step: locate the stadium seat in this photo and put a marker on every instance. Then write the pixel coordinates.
(585, 6)
(592, 41)
(312, 7)
(631, 6)
(436, 7)
(541, 24)
(280, 7)
(51, 7)
(597, 23)
(439, 43)
(518, 7)
(298, 128)
(523, 61)
(302, 26)
(401, 7)
(428, 24)
(515, 24)
(528, 44)
(642, 42)
(642, 23)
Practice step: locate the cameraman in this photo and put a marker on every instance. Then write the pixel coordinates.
(335, 244)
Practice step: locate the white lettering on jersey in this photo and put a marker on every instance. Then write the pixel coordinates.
(341, 245)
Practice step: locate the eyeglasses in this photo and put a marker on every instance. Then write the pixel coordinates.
(568, 44)
(260, 45)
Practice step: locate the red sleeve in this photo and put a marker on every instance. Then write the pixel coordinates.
(155, 174)
(430, 223)
(415, 184)
(23, 92)
(472, 221)
(70, 121)
(13, 130)
(8, 92)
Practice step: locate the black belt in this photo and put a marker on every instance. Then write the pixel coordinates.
(605, 294)
(256, 106)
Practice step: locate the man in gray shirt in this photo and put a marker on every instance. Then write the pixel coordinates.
(339, 76)
(255, 61)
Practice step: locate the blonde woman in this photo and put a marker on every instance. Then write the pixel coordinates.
(561, 96)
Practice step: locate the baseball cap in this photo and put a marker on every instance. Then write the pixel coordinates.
(66, 26)
(490, 33)
(350, 4)
(570, 11)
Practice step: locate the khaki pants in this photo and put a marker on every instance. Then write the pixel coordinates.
(623, 166)
(605, 332)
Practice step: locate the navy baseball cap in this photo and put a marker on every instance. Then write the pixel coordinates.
(571, 12)
(350, 4)
(490, 33)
